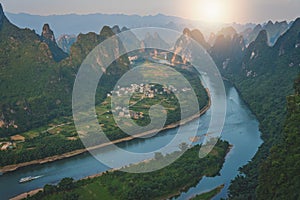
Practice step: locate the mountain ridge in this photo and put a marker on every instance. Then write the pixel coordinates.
(43, 76)
(261, 74)
(47, 36)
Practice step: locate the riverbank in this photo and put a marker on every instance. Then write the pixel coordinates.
(187, 186)
(33, 192)
(10, 168)
(214, 163)
(238, 134)
(208, 195)
(26, 194)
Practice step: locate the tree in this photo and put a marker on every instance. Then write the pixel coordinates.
(71, 196)
(66, 184)
(49, 189)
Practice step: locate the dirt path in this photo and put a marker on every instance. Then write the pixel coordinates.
(49, 129)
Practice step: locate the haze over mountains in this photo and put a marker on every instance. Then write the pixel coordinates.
(37, 78)
(73, 24)
(68, 26)
(264, 75)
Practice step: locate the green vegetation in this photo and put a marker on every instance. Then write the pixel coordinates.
(36, 80)
(35, 89)
(264, 82)
(141, 104)
(209, 195)
(279, 174)
(159, 184)
(36, 93)
(42, 146)
(60, 135)
(31, 90)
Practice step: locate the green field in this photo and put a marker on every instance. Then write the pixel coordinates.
(60, 136)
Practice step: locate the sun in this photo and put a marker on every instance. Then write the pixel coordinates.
(211, 10)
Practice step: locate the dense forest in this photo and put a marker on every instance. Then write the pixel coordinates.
(264, 79)
(279, 174)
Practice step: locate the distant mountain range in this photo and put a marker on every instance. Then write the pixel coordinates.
(228, 49)
(36, 80)
(73, 24)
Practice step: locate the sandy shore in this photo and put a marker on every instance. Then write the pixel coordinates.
(24, 195)
(10, 168)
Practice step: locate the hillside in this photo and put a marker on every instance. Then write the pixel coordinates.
(37, 76)
(48, 37)
(29, 80)
(279, 174)
(266, 75)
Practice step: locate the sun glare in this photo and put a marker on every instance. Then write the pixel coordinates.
(211, 10)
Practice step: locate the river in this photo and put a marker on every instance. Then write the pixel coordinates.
(240, 130)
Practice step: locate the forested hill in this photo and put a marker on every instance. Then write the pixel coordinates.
(279, 175)
(29, 79)
(264, 76)
(36, 76)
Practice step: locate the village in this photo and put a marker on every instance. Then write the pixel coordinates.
(12, 143)
(143, 91)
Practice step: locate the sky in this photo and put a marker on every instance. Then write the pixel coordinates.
(240, 11)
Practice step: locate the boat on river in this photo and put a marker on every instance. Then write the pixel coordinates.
(28, 178)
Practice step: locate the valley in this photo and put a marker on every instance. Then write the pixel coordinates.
(38, 136)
